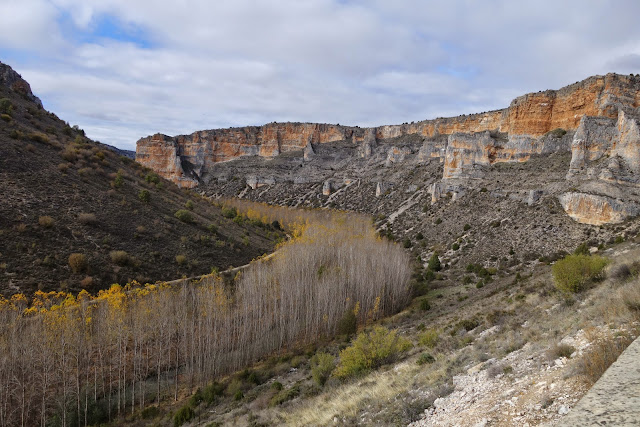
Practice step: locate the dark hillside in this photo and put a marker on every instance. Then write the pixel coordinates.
(62, 194)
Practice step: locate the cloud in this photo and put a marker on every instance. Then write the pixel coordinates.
(125, 69)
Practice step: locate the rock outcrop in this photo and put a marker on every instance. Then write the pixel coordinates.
(595, 120)
(15, 82)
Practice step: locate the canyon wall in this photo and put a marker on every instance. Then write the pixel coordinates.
(596, 120)
(185, 158)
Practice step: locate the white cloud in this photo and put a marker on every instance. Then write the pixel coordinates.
(232, 63)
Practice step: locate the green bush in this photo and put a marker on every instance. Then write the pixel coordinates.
(572, 273)
(425, 358)
(119, 180)
(150, 412)
(428, 338)
(212, 391)
(184, 216)
(466, 227)
(371, 350)
(285, 395)
(434, 262)
(196, 398)
(189, 205)
(406, 243)
(239, 395)
(144, 196)
(348, 323)
(557, 133)
(424, 304)
(322, 365)
(152, 178)
(229, 212)
(183, 415)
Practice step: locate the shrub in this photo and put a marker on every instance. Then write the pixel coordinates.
(39, 137)
(424, 304)
(78, 262)
(69, 154)
(184, 414)
(196, 398)
(87, 218)
(621, 272)
(348, 323)
(181, 259)
(429, 338)
(150, 412)
(118, 181)
(212, 391)
(425, 358)
(16, 134)
(322, 365)
(602, 353)
(582, 249)
(285, 395)
(6, 107)
(5, 117)
(561, 350)
(572, 273)
(455, 246)
(406, 243)
(438, 221)
(466, 227)
(419, 236)
(468, 324)
(46, 221)
(189, 205)
(144, 196)
(184, 216)
(434, 262)
(120, 258)
(557, 133)
(239, 395)
(152, 178)
(86, 282)
(229, 212)
(371, 350)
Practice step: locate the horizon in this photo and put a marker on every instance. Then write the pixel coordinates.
(125, 71)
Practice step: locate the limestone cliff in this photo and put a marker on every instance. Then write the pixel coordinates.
(594, 119)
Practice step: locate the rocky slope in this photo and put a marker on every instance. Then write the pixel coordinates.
(501, 187)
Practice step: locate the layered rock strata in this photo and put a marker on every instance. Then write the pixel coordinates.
(594, 120)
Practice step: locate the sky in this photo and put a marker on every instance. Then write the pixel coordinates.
(125, 69)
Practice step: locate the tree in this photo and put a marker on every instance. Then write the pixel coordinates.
(434, 262)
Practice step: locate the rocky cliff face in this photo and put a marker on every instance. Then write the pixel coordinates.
(594, 119)
(15, 82)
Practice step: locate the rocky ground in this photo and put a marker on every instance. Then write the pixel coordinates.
(510, 214)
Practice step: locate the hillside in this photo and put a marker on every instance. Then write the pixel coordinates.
(553, 170)
(65, 194)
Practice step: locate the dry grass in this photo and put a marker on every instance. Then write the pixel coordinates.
(602, 353)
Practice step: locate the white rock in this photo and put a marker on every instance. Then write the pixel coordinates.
(563, 410)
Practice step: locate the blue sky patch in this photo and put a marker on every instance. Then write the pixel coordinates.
(106, 27)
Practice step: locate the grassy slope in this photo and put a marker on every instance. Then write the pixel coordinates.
(36, 180)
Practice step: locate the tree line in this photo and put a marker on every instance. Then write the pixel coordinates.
(81, 359)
